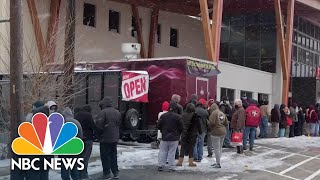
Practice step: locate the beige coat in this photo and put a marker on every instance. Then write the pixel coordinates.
(217, 122)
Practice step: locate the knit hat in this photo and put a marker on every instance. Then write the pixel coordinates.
(38, 104)
(203, 102)
(165, 106)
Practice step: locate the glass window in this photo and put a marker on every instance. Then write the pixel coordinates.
(312, 30)
(252, 19)
(237, 61)
(295, 37)
(268, 65)
(173, 37)
(237, 20)
(299, 39)
(227, 93)
(295, 22)
(303, 41)
(268, 18)
(252, 41)
(225, 20)
(246, 94)
(252, 63)
(263, 97)
(308, 42)
(114, 21)
(294, 53)
(268, 41)
(300, 24)
(224, 50)
(89, 14)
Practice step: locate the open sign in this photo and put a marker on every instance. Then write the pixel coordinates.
(135, 86)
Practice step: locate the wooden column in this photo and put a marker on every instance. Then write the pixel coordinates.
(153, 31)
(283, 53)
(52, 30)
(216, 27)
(289, 34)
(206, 29)
(36, 28)
(136, 17)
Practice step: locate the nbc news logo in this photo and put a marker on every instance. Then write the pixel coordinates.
(47, 136)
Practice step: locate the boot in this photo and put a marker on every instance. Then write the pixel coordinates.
(191, 164)
(180, 161)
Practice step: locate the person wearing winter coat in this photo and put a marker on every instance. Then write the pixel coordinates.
(238, 120)
(108, 123)
(217, 125)
(317, 128)
(283, 120)
(35, 105)
(294, 117)
(298, 131)
(65, 172)
(312, 119)
(53, 107)
(177, 98)
(201, 110)
(264, 108)
(253, 118)
(84, 116)
(275, 120)
(165, 108)
(226, 108)
(171, 126)
(191, 129)
(209, 142)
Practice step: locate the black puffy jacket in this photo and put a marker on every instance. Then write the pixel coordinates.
(171, 126)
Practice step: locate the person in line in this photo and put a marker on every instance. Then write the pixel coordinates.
(209, 141)
(217, 125)
(299, 125)
(165, 109)
(65, 172)
(171, 126)
(194, 99)
(204, 116)
(84, 116)
(253, 118)
(226, 108)
(53, 107)
(294, 117)
(191, 129)
(108, 123)
(317, 128)
(264, 108)
(177, 99)
(283, 120)
(275, 120)
(35, 105)
(311, 118)
(238, 121)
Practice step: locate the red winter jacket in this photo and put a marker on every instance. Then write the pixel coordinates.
(311, 115)
(253, 116)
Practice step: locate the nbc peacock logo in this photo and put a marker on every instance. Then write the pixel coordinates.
(47, 136)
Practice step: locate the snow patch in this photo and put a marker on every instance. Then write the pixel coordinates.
(231, 176)
(301, 142)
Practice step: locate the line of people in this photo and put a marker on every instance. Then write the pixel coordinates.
(105, 128)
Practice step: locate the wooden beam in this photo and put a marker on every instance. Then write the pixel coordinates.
(36, 28)
(153, 31)
(137, 22)
(52, 30)
(216, 27)
(206, 29)
(289, 34)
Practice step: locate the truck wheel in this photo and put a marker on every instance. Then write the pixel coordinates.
(132, 120)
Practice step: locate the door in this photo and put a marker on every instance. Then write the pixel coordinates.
(202, 86)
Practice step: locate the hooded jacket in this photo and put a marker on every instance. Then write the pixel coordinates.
(85, 118)
(311, 115)
(253, 115)
(283, 119)
(275, 114)
(170, 124)
(238, 119)
(204, 117)
(293, 114)
(50, 104)
(218, 121)
(68, 117)
(109, 121)
(191, 124)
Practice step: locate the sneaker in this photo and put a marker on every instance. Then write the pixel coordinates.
(217, 166)
(251, 148)
(160, 168)
(213, 165)
(116, 175)
(209, 155)
(106, 177)
(244, 148)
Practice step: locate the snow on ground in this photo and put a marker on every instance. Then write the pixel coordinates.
(300, 142)
(231, 176)
(4, 163)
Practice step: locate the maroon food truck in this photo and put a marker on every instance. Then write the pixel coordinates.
(177, 75)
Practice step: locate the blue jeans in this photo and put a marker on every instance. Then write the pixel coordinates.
(317, 128)
(282, 132)
(198, 147)
(264, 127)
(227, 141)
(251, 133)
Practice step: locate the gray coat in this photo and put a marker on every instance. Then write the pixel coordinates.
(68, 117)
(109, 120)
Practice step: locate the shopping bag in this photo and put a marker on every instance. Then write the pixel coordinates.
(236, 138)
